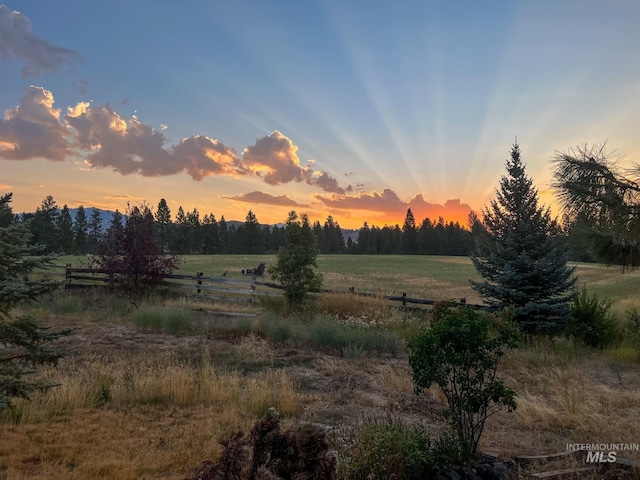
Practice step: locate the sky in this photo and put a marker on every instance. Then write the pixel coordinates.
(357, 109)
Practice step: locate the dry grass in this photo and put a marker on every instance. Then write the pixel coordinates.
(134, 416)
(153, 405)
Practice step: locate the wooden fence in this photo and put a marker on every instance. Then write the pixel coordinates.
(223, 288)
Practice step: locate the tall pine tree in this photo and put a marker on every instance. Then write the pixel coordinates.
(25, 342)
(521, 255)
(80, 231)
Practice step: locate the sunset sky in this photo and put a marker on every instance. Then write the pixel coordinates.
(358, 109)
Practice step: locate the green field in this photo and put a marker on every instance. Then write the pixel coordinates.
(421, 276)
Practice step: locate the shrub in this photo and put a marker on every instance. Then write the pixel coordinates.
(389, 448)
(591, 321)
(460, 353)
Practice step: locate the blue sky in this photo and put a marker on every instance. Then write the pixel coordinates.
(356, 109)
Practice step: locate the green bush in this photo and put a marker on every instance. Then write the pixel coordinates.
(167, 320)
(460, 353)
(328, 333)
(388, 448)
(67, 304)
(278, 330)
(591, 321)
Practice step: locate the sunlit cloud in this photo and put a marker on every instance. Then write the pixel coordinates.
(121, 197)
(267, 199)
(36, 54)
(387, 205)
(5, 186)
(102, 138)
(33, 129)
(275, 159)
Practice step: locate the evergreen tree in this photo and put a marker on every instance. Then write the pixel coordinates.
(25, 343)
(296, 264)
(252, 241)
(180, 241)
(80, 231)
(95, 230)
(320, 234)
(43, 225)
(64, 230)
(604, 202)
(210, 234)
(365, 245)
(196, 239)
(223, 236)
(333, 236)
(522, 256)
(163, 224)
(409, 235)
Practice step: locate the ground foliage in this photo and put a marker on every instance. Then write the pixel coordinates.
(522, 256)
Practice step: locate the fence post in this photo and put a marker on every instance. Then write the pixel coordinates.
(352, 290)
(404, 299)
(253, 289)
(463, 301)
(67, 273)
(199, 275)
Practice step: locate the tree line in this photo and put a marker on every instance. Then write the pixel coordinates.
(56, 230)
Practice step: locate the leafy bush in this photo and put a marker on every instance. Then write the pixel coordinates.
(591, 321)
(460, 353)
(389, 448)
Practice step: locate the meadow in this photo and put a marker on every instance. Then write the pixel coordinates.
(150, 387)
(420, 276)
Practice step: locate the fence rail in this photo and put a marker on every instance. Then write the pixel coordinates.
(235, 289)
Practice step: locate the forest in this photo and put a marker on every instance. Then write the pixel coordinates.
(55, 229)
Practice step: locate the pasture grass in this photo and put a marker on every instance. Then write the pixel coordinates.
(422, 276)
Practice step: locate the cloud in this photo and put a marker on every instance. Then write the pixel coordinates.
(36, 54)
(4, 186)
(275, 159)
(130, 146)
(202, 156)
(80, 85)
(104, 139)
(33, 129)
(267, 198)
(388, 205)
(164, 126)
(327, 183)
(121, 197)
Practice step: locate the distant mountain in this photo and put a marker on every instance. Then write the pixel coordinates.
(105, 215)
